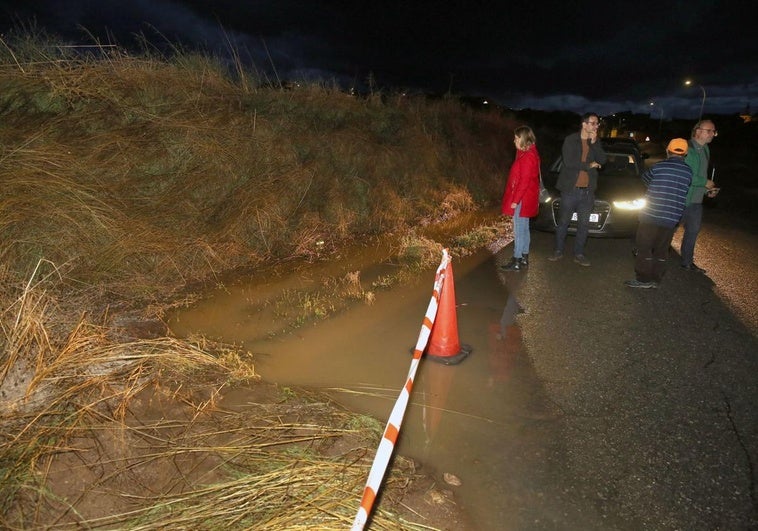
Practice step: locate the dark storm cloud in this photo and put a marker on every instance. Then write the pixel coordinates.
(610, 56)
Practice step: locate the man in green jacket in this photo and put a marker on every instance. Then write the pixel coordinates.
(698, 158)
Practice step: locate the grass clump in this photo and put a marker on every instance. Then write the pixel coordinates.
(418, 252)
(480, 236)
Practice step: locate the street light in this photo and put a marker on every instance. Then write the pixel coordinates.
(702, 104)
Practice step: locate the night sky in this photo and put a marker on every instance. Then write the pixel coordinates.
(577, 56)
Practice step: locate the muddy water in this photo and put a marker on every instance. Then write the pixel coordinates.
(484, 420)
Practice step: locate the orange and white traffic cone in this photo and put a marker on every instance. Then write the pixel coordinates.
(444, 345)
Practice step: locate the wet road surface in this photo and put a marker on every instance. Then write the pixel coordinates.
(658, 387)
(583, 405)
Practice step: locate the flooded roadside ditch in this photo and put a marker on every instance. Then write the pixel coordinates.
(479, 427)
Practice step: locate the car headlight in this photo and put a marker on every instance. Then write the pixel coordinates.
(636, 204)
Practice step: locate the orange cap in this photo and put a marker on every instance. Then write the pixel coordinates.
(678, 146)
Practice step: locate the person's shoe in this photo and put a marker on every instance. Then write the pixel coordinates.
(581, 260)
(693, 267)
(513, 265)
(524, 260)
(557, 255)
(639, 284)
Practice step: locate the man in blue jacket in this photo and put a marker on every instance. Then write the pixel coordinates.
(577, 182)
(667, 185)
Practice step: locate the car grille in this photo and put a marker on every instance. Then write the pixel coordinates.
(601, 208)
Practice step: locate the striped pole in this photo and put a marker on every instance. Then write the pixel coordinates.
(387, 444)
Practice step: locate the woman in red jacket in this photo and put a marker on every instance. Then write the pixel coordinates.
(522, 194)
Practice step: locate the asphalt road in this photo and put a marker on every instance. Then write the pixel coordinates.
(658, 389)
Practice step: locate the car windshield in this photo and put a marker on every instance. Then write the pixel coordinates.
(619, 165)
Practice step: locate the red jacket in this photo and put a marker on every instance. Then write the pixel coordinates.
(523, 184)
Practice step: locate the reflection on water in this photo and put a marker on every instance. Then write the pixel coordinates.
(506, 343)
(484, 420)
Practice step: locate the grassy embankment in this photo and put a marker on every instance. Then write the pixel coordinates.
(126, 179)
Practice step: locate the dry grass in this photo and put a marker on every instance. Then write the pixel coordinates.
(267, 467)
(144, 175)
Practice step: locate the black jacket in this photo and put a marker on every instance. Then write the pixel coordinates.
(572, 162)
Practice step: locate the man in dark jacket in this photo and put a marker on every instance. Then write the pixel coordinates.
(577, 182)
(667, 185)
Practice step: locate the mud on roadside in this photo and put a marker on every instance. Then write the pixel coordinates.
(184, 455)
